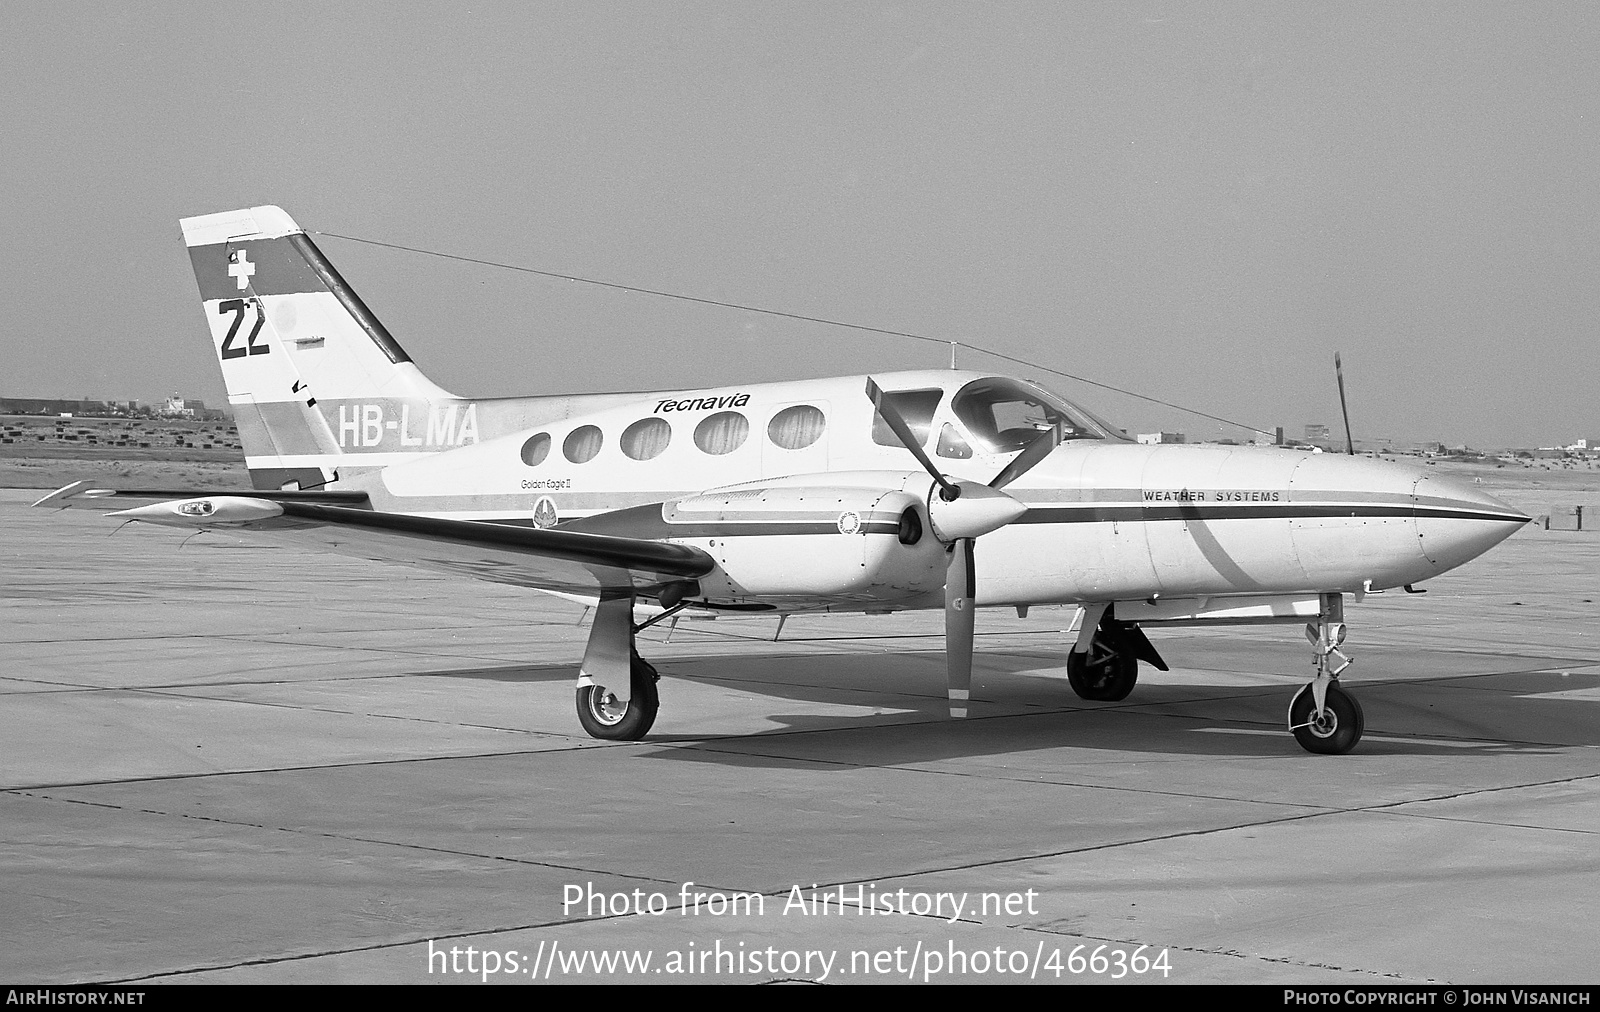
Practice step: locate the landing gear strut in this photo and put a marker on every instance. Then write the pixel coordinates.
(1323, 717)
(617, 698)
(1104, 664)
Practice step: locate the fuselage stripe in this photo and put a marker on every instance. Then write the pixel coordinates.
(1100, 513)
(1054, 515)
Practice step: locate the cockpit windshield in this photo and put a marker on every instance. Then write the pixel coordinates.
(1005, 414)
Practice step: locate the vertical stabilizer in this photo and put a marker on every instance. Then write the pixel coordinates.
(318, 386)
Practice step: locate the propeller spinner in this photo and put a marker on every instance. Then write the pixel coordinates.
(960, 512)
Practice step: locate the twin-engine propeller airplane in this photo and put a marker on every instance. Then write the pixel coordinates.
(858, 494)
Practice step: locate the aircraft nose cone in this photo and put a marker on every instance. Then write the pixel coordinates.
(1457, 521)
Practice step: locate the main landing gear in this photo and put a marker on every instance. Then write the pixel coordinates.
(604, 715)
(1104, 664)
(617, 698)
(1323, 717)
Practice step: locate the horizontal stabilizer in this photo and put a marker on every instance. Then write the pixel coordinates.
(88, 495)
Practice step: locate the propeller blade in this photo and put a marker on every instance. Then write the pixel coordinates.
(959, 589)
(1338, 369)
(947, 490)
(1031, 454)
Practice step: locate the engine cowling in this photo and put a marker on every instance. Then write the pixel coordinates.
(811, 544)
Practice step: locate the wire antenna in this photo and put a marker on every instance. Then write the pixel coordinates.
(805, 319)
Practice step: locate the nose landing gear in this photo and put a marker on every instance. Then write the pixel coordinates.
(1323, 717)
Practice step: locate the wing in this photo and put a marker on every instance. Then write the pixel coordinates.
(555, 560)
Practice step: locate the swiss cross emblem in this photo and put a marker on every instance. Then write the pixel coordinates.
(241, 268)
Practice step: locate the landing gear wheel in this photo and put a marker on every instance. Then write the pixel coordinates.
(604, 716)
(1103, 674)
(1339, 728)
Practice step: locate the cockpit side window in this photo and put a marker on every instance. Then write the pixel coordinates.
(916, 407)
(952, 445)
(1005, 415)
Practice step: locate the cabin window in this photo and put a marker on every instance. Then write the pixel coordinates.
(536, 449)
(583, 443)
(797, 427)
(1005, 414)
(647, 438)
(916, 407)
(722, 432)
(951, 444)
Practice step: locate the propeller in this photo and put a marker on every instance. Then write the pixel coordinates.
(1338, 370)
(960, 512)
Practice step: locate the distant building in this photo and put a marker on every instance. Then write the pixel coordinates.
(175, 407)
(51, 406)
(1317, 433)
(1152, 438)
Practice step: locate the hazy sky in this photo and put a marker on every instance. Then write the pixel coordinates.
(1201, 202)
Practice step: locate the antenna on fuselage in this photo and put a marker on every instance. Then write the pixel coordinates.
(1338, 370)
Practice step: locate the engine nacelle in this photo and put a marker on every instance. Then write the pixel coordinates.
(811, 545)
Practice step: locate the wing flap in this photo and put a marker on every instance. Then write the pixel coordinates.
(520, 556)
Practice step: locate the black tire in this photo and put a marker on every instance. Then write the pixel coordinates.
(602, 716)
(1103, 674)
(1340, 729)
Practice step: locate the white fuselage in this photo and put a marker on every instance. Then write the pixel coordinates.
(1106, 520)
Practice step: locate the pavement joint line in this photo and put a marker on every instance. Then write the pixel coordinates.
(347, 838)
(350, 648)
(169, 689)
(302, 681)
(1233, 953)
(1483, 790)
(1379, 735)
(282, 640)
(1066, 783)
(168, 694)
(583, 745)
(993, 776)
(988, 775)
(1491, 822)
(379, 946)
(1160, 838)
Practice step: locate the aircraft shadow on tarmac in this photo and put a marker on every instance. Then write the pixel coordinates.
(509, 673)
(1020, 704)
